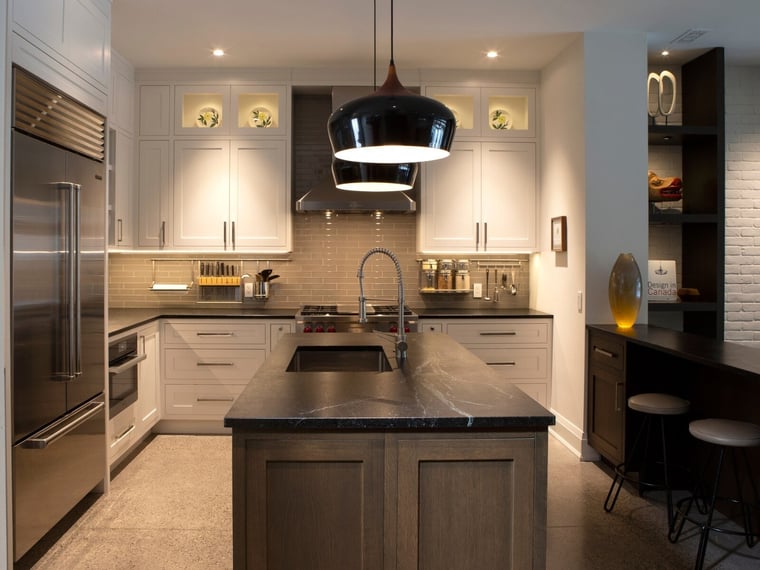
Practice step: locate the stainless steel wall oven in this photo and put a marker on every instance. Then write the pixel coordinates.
(123, 358)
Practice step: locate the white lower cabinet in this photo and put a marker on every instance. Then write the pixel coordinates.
(208, 362)
(519, 349)
(133, 424)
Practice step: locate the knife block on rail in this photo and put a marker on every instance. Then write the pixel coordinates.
(219, 283)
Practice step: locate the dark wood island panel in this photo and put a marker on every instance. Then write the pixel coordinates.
(433, 464)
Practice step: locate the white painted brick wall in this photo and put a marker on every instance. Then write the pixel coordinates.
(742, 280)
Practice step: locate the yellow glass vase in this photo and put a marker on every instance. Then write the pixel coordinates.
(625, 290)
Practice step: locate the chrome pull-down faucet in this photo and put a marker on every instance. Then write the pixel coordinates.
(401, 345)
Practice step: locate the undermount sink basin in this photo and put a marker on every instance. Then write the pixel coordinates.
(339, 359)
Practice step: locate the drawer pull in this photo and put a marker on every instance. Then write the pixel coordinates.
(214, 334)
(506, 333)
(227, 399)
(606, 353)
(124, 434)
(513, 363)
(199, 363)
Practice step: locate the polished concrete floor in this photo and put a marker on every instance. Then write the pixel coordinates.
(170, 508)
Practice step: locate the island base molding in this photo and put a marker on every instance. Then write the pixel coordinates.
(398, 500)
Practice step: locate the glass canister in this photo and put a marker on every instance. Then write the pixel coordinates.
(428, 276)
(445, 274)
(462, 278)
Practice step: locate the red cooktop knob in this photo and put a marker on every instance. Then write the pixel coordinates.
(331, 328)
(319, 328)
(307, 328)
(406, 329)
(393, 328)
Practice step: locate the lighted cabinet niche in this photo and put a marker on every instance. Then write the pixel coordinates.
(489, 112)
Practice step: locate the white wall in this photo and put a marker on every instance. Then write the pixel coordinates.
(594, 162)
(742, 278)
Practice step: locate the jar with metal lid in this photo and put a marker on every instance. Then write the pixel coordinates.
(445, 274)
(428, 275)
(462, 277)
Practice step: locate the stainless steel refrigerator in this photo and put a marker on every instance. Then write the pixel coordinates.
(57, 288)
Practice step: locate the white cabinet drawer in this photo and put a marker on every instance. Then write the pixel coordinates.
(214, 333)
(199, 401)
(499, 332)
(536, 391)
(515, 362)
(121, 433)
(430, 326)
(185, 364)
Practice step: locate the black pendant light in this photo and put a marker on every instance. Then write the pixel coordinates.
(369, 177)
(393, 125)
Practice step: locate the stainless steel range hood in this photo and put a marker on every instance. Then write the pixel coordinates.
(324, 196)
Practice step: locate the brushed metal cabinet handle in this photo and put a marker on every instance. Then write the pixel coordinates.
(124, 434)
(603, 352)
(214, 334)
(200, 363)
(502, 333)
(229, 399)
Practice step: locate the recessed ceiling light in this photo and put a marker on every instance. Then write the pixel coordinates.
(492, 54)
(218, 52)
(665, 52)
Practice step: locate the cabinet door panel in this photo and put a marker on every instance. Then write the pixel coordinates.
(123, 191)
(147, 406)
(466, 503)
(509, 195)
(259, 194)
(201, 193)
(49, 30)
(155, 110)
(451, 200)
(87, 38)
(153, 193)
(607, 414)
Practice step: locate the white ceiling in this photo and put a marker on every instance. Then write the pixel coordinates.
(446, 34)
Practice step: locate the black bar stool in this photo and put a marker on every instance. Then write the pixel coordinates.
(651, 405)
(726, 435)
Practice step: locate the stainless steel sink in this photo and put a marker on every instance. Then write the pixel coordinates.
(339, 359)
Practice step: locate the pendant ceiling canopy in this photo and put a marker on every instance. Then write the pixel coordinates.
(368, 177)
(393, 125)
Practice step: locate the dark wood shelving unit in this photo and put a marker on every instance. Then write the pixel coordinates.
(702, 221)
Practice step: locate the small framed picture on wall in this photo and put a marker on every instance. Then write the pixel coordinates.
(559, 233)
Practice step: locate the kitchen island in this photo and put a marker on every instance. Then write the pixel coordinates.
(434, 463)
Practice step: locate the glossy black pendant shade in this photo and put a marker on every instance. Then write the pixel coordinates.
(391, 126)
(369, 177)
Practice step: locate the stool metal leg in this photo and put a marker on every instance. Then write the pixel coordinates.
(619, 478)
(668, 492)
(697, 494)
(705, 527)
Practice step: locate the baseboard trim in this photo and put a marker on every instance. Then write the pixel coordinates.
(572, 437)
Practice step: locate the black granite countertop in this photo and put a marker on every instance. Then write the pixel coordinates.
(440, 386)
(500, 313)
(120, 320)
(695, 348)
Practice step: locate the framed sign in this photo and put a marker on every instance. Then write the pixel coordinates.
(559, 233)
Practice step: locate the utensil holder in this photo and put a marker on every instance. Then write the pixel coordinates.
(261, 290)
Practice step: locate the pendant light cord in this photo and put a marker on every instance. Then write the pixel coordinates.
(374, 43)
(392, 63)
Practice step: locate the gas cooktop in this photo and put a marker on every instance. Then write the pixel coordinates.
(348, 309)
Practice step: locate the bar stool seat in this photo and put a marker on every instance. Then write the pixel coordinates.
(658, 404)
(651, 404)
(727, 435)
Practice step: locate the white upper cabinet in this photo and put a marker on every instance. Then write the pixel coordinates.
(482, 198)
(153, 163)
(231, 195)
(201, 193)
(489, 112)
(260, 195)
(72, 34)
(155, 110)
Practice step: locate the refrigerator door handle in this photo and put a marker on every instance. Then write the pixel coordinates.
(65, 425)
(71, 356)
(77, 338)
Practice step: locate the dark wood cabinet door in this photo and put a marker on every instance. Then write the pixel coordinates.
(607, 413)
(309, 503)
(468, 503)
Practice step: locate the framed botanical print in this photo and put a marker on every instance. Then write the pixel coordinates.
(559, 233)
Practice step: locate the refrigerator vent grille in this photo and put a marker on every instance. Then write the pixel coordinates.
(44, 112)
